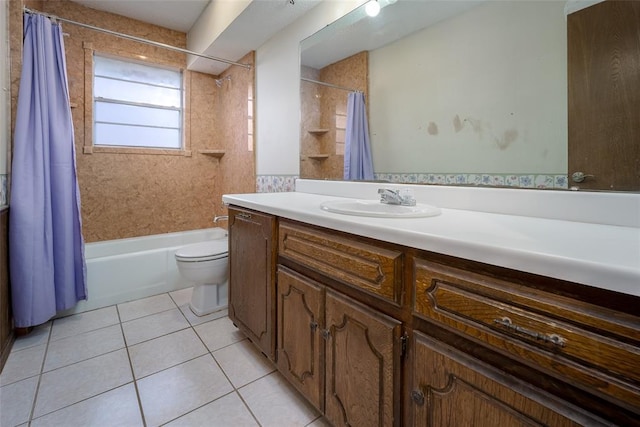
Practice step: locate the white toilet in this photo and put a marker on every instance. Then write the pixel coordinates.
(206, 264)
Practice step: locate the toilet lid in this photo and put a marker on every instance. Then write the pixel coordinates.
(204, 251)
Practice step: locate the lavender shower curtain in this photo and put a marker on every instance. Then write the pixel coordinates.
(47, 266)
(358, 164)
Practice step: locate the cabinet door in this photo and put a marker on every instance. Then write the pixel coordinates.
(361, 353)
(603, 48)
(252, 276)
(452, 389)
(300, 349)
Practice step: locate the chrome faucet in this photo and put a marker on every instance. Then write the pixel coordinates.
(396, 197)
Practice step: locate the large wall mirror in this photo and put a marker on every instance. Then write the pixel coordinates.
(504, 93)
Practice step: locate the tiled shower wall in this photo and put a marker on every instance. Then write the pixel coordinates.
(126, 194)
(323, 107)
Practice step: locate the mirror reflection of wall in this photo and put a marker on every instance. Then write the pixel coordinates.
(478, 98)
(324, 114)
(482, 93)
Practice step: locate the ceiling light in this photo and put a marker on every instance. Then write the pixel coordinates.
(372, 8)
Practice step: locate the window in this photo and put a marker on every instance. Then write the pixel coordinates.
(136, 105)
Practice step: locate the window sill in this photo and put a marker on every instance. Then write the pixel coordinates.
(135, 150)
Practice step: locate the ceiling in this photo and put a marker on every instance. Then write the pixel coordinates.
(177, 15)
(256, 24)
(357, 32)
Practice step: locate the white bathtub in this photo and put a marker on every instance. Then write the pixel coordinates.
(127, 269)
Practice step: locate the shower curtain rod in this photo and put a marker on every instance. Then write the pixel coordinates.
(329, 84)
(137, 39)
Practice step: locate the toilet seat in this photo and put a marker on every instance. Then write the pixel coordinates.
(204, 251)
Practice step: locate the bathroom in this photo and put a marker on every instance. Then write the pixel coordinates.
(128, 195)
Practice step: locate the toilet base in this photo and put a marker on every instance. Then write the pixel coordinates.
(208, 298)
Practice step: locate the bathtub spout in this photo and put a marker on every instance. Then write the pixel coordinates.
(220, 218)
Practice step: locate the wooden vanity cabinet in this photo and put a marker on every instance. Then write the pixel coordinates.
(300, 349)
(587, 354)
(362, 363)
(252, 260)
(449, 388)
(376, 334)
(342, 355)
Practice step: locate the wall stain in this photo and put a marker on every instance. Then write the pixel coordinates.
(480, 128)
(457, 124)
(508, 137)
(432, 129)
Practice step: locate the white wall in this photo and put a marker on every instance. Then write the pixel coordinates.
(5, 110)
(499, 68)
(278, 90)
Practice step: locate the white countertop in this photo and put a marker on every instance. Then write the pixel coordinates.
(604, 256)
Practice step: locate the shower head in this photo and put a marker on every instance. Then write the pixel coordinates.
(220, 81)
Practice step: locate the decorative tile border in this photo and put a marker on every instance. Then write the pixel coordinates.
(282, 183)
(275, 183)
(3, 190)
(494, 180)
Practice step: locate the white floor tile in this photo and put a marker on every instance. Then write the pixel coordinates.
(227, 411)
(118, 407)
(77, 348)
(219, 333)
(243, 363)
(198, 320)
(23, 364)
(71, 384)
(275, 403)
(38, 336)
(320, 422)
(149, 327)
(181, 297)
(173, 392)
(145, 307)
(16, 401)
(88, 372)
(84, 322)
(160, 353)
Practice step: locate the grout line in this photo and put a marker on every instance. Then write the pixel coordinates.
(246, 405)
(80, 401)
(83, 360)
(134, 379)
(133, 375)
(235, 389)
(199, 407)
(37, 391)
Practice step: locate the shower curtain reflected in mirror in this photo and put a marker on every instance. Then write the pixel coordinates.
(358, 163)
(46, 248)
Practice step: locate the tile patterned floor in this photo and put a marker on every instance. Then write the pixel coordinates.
(149, 362)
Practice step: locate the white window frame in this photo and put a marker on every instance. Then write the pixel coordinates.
(90, 147)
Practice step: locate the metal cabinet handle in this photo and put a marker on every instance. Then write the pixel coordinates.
(326, 334)
(243, 215)
(313, 325)
(550, 338)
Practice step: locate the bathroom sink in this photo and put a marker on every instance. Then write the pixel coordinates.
(374, 208)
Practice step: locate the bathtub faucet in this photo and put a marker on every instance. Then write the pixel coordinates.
(220, 218)
(396, 197)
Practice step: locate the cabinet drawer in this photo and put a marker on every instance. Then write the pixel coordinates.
(595, 348)
(364, 265)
